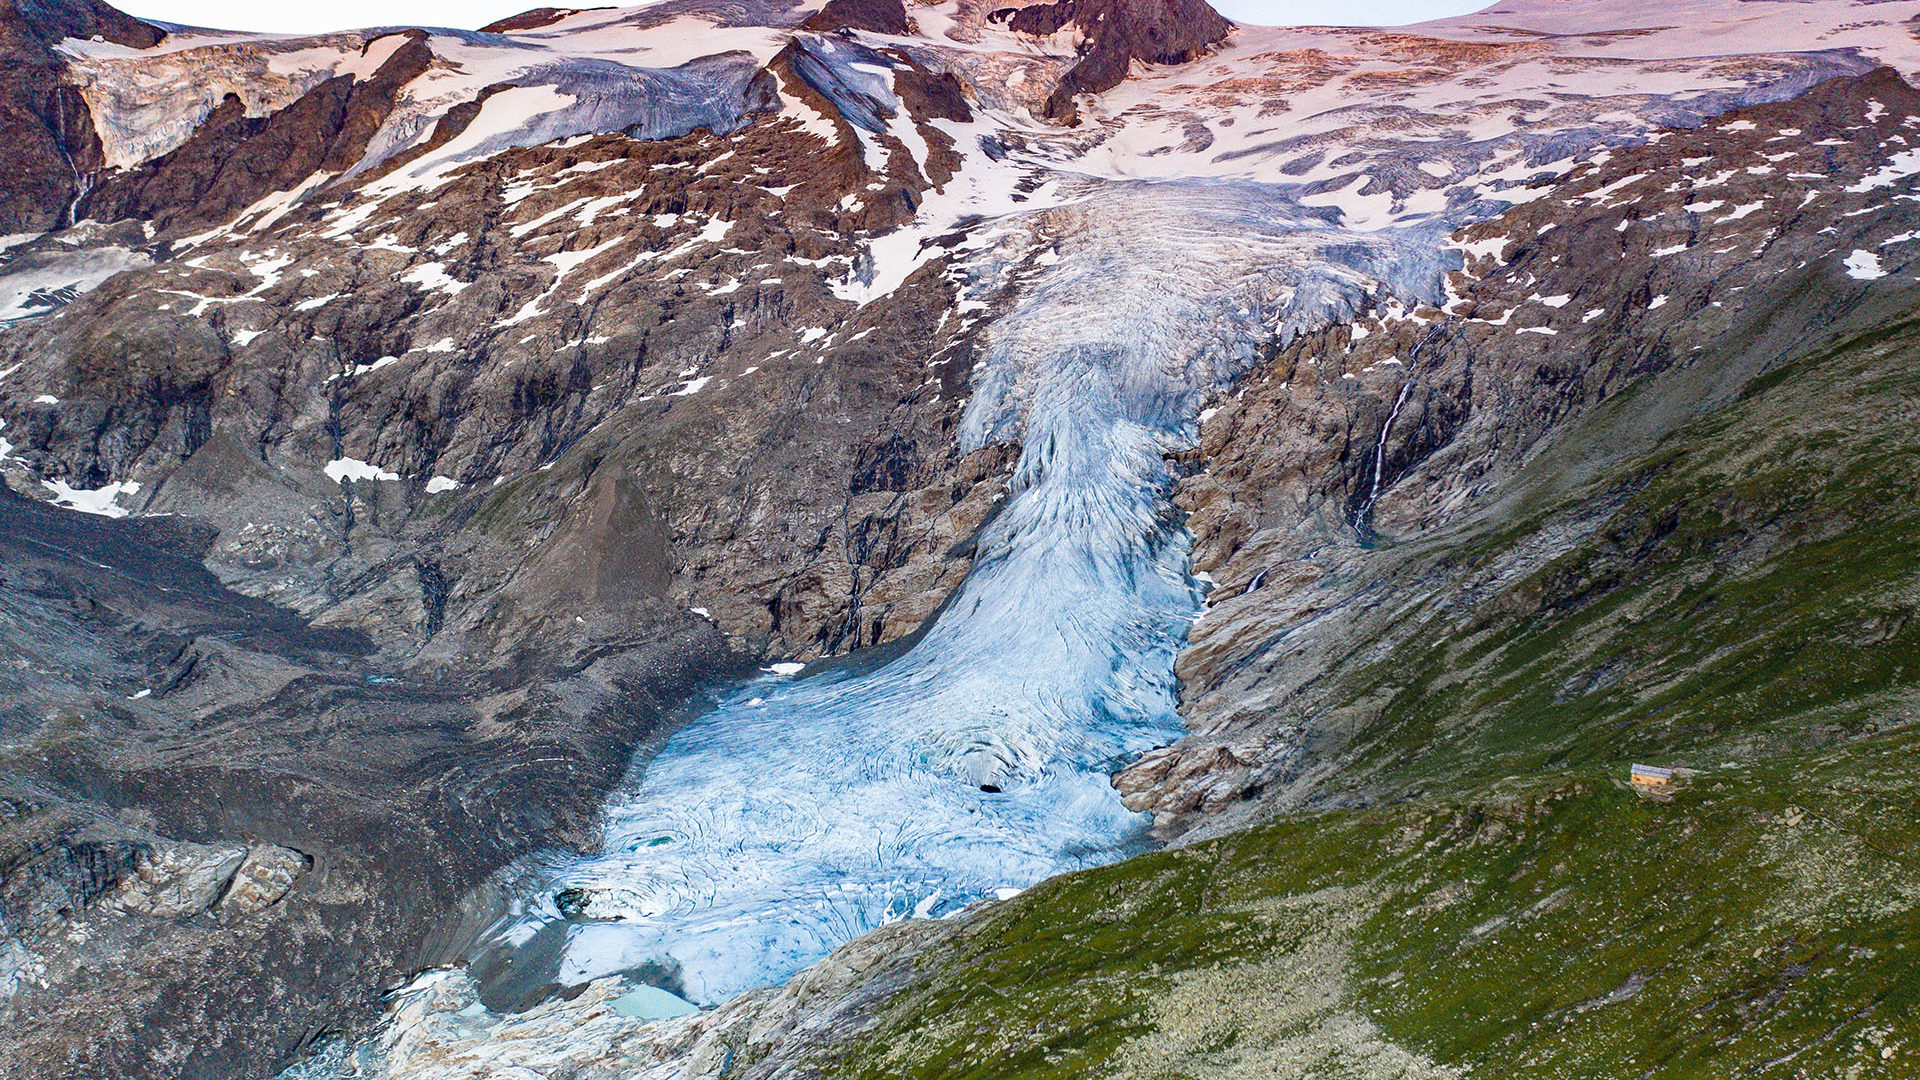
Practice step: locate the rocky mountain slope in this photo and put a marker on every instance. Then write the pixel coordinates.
(1703, 277)
(404, 427)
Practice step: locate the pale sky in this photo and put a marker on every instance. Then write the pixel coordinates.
(352, 14)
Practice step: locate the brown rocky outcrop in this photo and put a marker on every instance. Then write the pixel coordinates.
(1332, 535)
(1116, 33)
(535, 19)
(233, 160)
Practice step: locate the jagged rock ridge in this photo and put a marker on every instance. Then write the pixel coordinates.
(1117, 33)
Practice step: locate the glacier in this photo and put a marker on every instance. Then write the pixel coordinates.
(976, 761)
(1154, 252)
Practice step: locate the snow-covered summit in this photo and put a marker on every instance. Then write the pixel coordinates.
(1384, 124)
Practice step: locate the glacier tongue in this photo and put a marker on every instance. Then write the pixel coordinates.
(801, 813)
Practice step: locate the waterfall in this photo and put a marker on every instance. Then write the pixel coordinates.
(1363, 517)
(1363, 514)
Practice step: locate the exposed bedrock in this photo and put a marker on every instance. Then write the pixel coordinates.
(226, 829)
(879, 16)
(1343, 499)
(233, 159)
(531, 19)
(808, 507)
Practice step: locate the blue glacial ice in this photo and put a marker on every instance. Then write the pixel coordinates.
(802, 812)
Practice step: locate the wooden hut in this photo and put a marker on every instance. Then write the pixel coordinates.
(1652, 781)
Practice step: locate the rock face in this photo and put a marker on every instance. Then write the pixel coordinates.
(1114, 34)
(467, 297)
(1338, 491)
(176, 880)
(179, 880)
(897, 498)
(532, 19)
(879, 16)
(51, 146)
(233, 159)
(264, 877)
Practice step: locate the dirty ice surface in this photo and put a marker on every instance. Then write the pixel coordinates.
(809, 808)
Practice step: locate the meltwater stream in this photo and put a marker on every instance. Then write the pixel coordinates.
(801, 813)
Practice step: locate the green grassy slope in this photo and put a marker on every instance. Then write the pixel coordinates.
(1756, 591)
(1750, 609)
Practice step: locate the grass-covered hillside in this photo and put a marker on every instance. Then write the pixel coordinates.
(1750, 610)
